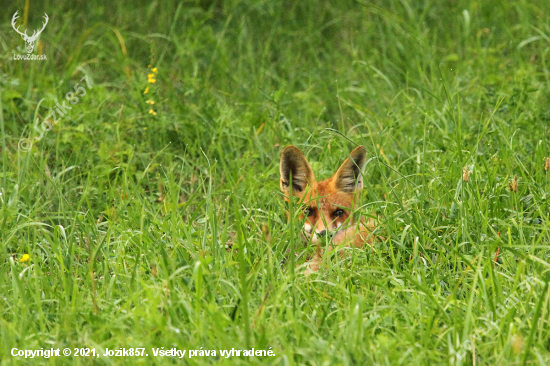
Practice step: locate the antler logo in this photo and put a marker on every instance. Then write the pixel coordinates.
(29, 41)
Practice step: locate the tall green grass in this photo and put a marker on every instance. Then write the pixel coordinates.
(169, 230)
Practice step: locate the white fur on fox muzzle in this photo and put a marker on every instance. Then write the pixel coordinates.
(308, 229)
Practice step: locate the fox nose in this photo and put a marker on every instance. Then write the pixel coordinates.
(322, 233)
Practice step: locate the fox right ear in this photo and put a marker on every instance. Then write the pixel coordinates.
(294, 163)
(349, 177)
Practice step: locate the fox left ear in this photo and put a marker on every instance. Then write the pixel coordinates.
(349, 177)
(294, 163)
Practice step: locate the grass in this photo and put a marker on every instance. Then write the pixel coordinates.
(126, 215)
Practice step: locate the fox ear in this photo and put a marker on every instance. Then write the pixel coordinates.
(294, 163)
(349, 177)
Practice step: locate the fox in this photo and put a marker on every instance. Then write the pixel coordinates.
(327, 206)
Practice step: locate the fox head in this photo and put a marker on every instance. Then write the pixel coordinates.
(327, 204)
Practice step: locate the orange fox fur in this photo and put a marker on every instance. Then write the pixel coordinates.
(329, 204)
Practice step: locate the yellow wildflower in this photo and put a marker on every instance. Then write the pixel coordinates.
(150, 101)
(152, 112)
(146, 90)
(155, 69)
(25, 258)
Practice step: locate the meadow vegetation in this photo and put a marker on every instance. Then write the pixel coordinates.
(162, 225)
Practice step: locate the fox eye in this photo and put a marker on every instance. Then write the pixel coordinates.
(338, 213)
(308, 212)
